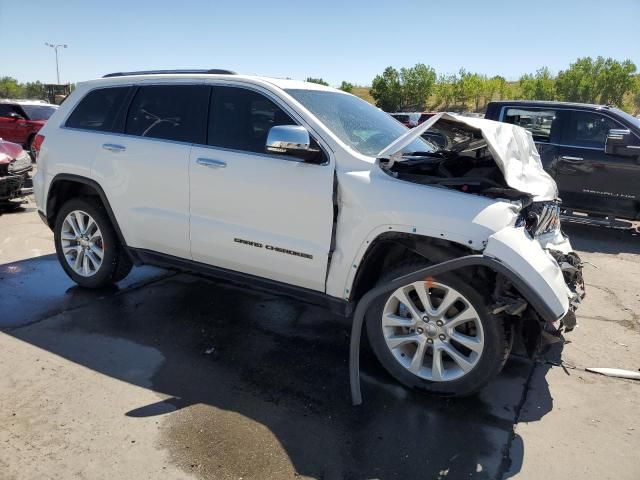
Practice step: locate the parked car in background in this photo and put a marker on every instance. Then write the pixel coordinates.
(15, 165)
(412, 119)
(403, 118)
(21, 120)
(592, 152)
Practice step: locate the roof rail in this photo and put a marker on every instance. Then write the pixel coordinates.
(211, 71)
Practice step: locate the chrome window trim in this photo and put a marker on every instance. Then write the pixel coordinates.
(199, 145)
(564, 109)
(212, 83)
(238, 83)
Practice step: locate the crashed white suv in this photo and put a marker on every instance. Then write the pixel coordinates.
(312, 192)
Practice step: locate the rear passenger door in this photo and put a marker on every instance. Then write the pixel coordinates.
(143, 165)
(255, 212)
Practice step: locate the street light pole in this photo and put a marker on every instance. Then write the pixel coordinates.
(55, 47)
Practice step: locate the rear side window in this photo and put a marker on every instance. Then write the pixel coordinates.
(241, 119)
(539, 122)
(588, 129)
(98, 110)
(5, 110)
(169, 112)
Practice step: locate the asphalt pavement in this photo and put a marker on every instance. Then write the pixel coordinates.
(171, 375)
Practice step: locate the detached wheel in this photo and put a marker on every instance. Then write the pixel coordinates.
(87, 245)
(437, 335)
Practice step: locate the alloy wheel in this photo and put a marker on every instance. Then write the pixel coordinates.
(82, 243)
(433, 331)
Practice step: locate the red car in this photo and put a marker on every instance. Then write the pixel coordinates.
(20, 121)
(15, 165)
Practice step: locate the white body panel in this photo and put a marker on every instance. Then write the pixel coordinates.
(525, 256)
(147, 185)
(274, 202)
(164, 201)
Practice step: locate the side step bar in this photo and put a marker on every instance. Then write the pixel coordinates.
(609, 222)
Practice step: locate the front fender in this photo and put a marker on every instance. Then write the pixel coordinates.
(525, 257)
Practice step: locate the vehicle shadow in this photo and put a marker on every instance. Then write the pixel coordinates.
(283, 365)
(588, 238)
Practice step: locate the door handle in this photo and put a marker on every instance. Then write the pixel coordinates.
(572, 159)
(112, 147)
(211, 163)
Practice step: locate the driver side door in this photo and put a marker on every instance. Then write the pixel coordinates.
(255, 212)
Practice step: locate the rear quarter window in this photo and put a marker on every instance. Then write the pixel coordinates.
(539, 122)
(98, 110)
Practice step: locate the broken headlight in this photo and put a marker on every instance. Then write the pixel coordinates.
(540, 218)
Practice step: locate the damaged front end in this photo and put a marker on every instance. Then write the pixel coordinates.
(15, 165)
(499, 161)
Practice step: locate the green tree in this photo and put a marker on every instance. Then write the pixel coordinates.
(346, 86)
(386, 89)
(417, 85)
(596, 81)
(616, 79)
(317, 80)
(444, 91)
(10, 88)
(539, 86)
(407, 89)
(34, 90)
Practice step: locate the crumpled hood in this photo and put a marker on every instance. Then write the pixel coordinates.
(511, 147)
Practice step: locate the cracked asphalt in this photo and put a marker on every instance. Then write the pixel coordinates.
(171, 375)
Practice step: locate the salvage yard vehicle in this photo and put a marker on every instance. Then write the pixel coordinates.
(592, 152)
(21, 120)
(15, 165)
(311, 192)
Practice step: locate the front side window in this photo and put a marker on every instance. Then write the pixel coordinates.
(539, 122)
(169, 112)
(588, 129)
(357, 123)
(98, 109)
(240, 119)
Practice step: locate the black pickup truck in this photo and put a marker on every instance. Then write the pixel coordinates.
(592, 151)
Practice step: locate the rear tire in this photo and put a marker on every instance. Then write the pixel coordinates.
(30, 149)
(87, 245)
(439, 352)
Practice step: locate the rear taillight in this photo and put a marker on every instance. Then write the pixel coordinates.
(37, 143)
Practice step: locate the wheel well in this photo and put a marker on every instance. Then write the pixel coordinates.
(61, 191)
(389, 249)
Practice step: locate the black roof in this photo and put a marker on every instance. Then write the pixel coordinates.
(551, 103)
(211, 71)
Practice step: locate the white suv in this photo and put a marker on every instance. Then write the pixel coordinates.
(311, 192)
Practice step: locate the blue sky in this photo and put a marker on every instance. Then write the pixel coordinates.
(336, 40)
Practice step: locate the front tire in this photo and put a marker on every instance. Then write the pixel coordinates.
(437, 335)
(87, 245)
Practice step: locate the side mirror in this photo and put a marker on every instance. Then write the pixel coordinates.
(291, 140)
(618, 142)
(15, 116)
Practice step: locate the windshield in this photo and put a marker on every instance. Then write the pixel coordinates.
(356, 122)
(629, 118)
(38, 112)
